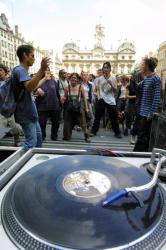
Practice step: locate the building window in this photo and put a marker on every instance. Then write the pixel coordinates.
(130, 57)
(123, 57)
(129, 68)
(73, 67)
(81, 67)
(82, 57)
(66, 57)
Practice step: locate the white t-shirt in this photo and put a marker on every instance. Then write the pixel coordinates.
(62, 86)
(123, 92)
(105, 90)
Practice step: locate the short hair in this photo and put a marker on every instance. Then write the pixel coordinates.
(151, 63)
(75, 74)
(25, 48)
(108, 65)
(2, 66)
(61, 71)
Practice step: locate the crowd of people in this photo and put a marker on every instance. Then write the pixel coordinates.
(125, 104)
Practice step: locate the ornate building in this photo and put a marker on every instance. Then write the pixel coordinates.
(10, 40)
(75, 60)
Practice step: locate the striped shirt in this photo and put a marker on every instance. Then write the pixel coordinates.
(150, 96)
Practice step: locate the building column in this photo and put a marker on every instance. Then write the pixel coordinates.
(125, 69)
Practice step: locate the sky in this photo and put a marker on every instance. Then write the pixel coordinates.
(52, 23)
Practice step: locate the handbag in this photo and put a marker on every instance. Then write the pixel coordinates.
(74, 105)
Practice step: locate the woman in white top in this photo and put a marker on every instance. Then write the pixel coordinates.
(121, 97)
(88, 95)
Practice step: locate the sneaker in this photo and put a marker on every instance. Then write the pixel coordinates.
(118, 136)
(87, 140)
(54, 138)
(92, 134)
(17, 141)
(65, 139)
(87, 137)
(78, 129)
(17, 144)
(132, 139)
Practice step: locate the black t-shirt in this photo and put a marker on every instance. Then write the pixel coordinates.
(132, 90)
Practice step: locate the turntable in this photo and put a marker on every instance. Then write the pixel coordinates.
(83, 200)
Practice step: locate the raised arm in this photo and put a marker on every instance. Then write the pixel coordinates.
(31, 84)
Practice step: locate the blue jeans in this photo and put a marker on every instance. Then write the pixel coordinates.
(33, 135)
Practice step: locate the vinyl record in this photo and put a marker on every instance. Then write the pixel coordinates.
(58, 203)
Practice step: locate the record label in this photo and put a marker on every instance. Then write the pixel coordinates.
(86, 184)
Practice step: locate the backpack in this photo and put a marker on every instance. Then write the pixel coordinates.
(8, 103)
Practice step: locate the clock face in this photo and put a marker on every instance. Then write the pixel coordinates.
(98, 52)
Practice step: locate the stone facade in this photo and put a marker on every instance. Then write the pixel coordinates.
(161, 68)
(75, 60)
(10, 40)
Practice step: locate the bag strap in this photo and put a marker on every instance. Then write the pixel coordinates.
(18, 99)
(79, 90)
(61, 84)
(20, 95)
(69, 91)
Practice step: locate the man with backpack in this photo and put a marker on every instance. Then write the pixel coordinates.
(26, 113)
(9, 122)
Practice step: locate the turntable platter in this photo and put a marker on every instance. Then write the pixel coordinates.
(58, 204)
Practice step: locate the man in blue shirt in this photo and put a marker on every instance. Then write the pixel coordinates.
(26, 112)
(149, 103)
